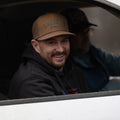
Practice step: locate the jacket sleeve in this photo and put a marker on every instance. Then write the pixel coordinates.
(33, 86)
(112, 61)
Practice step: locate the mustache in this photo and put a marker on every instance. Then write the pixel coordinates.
(59, 53)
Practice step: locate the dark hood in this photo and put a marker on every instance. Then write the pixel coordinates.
(31, 55)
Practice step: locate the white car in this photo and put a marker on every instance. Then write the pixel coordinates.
(16, 17)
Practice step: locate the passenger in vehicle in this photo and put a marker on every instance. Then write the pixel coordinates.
(46, 69)
(97, 65)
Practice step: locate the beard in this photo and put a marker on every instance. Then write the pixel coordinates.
(58, 67)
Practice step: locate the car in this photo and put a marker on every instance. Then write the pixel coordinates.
(16, 18)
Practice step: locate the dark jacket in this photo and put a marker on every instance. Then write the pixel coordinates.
(36, 78)
(98, 66)
(3, 97)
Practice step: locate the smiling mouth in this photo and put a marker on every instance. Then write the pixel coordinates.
(59, 58)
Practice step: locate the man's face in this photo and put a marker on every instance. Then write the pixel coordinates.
(55, 51)
(81, 43)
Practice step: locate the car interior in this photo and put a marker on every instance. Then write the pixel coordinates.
(16, 20)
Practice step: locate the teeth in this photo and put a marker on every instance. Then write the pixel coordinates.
(59, 56)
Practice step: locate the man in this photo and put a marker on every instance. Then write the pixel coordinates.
(96, 64)
(46, 68)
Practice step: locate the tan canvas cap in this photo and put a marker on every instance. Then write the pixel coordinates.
(50, 25)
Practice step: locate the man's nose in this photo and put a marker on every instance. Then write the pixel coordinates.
(59, 48)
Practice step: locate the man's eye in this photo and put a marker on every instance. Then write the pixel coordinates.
(51, 42)
(66, 40)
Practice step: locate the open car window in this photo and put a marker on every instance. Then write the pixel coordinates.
(16, 18)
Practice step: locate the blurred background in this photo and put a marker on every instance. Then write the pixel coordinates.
(107, 34)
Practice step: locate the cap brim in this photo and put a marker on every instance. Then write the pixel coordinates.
(54, 34)
(91, 24)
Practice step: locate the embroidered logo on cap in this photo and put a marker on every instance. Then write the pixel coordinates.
(54, 23)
